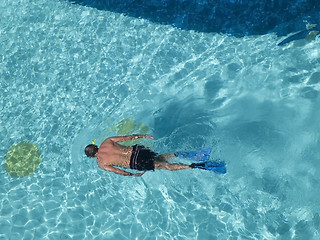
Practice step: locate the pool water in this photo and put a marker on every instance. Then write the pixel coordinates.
(70, 74)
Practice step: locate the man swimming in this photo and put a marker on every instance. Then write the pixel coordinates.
(111, 155)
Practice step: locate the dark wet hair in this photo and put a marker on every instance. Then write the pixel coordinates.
(91, 150)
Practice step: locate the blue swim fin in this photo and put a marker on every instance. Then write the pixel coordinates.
(217, 167)
(200, 155)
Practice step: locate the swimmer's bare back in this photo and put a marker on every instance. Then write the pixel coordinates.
(111, 154)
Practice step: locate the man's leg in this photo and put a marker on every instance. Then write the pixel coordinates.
(168, 166)
(166, 157)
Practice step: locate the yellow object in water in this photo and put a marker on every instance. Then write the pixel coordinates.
(22, 159)
(125, 127)
(128, 127)
(310, 26)
(312, 35)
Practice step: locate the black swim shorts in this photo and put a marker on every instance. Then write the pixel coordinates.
(142, 158)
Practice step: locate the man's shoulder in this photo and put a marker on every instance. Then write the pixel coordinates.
(107, 142)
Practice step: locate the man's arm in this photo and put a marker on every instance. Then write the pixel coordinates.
(131, 137)
(121, 172)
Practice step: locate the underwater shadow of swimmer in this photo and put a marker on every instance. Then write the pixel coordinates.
(237, 18)
(187, 121)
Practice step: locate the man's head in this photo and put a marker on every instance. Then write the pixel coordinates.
(91, 150)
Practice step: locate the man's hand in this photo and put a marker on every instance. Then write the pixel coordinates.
(136, 136)
(138, 174)
(148, 136)
(121, 172)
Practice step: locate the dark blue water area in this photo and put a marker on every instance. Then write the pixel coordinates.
(235, 17)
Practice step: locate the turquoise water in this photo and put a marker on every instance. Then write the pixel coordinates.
(69, 74)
